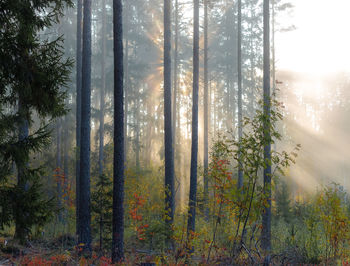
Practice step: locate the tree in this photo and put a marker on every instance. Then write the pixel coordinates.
(118, 158)
(84, 182)
(32, 73)
(239, 96)
(194, 146)
(266, 217)
(168, 138)
(103, 88)
(78, 106)
(206, 118)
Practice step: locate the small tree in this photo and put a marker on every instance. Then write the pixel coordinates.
(102, 201)
(246, 203)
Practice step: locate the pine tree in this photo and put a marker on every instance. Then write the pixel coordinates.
(118, 158)
(168, 138)
(266, 217)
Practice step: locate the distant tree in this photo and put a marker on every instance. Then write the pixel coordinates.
(206, 107)
(168, 138)
(101, 206)
(103, 88)
(239, 96)
(32, 73)
(118, 158)
(194, 146)
(266, 217)
(283, 204)
(78, 107)
(84, 182)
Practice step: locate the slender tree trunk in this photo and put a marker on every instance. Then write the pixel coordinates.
(168, 138)
(78, 110)
(206, 132)
(239, 68)
(65, 166)
(194, 147)
(118, 158)
(103, 88)
(84, 205)
(266, 217)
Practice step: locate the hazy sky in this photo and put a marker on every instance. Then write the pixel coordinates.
(321, 42)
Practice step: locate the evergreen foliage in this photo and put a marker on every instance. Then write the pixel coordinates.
(32, 73)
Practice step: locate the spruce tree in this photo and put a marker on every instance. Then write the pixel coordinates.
(32, 74)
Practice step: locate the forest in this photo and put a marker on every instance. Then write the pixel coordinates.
(174, 132)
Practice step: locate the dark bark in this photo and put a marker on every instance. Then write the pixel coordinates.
(103, 88)
(266, 217)
(239, 68)
(206, 128)
(168, 138)
(65, 166)
(118, 159)
(78, 110)
(194, 147)
(84, 204)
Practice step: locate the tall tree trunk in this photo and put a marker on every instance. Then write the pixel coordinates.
(239, 68)
(84, 205)
(78, 110)
(266, 217)
(194, 147)
(206, 132)
(103, 88)
(118, 158)
(168, 138)
(65, 166)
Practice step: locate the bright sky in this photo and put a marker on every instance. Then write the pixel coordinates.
(321, 42)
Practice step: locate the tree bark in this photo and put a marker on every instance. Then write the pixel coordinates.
(118, 158)
(239, 68)
(84, 205)
(168, 138)
(206, 130)
(266, 217)
(103, 88)
(78, 110)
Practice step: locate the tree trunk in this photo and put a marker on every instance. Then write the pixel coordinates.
(118, 158)
(65, 167)
(206, 134)
(78, 110)
(266, 217)
(194, 147)
(84, 205)
(103, 88)
(239, 68)
(168, 138)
